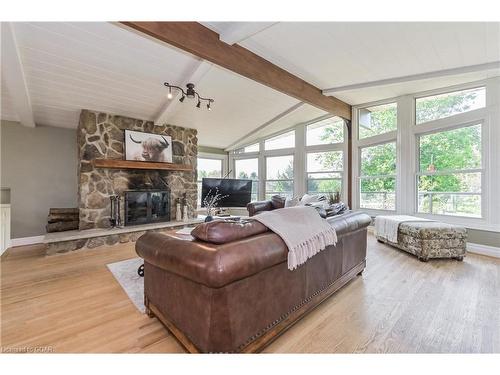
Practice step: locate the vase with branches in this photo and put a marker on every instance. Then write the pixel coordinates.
(211, 201)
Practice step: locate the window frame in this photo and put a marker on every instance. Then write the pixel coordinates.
(339, 146)
(277, 135)
(361, 177)
(376, 104)
(340, 172)
(255, 155)
(266, 180)
(324, 145)
(210, 156)
(358, 144)
(481, 116)
(241, 150)
(481, 170)
(443, 91)
(299, 153)
(407, 153)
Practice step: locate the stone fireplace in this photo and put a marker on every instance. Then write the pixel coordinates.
(101, 136)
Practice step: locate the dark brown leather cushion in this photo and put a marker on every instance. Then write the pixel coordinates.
(220, 231)
(259, 206)
(278, 201)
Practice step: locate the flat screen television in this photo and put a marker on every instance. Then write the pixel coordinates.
(238, 192)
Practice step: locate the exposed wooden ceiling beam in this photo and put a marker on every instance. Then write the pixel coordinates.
(236, 32)
(13, 76)
(199, 69)
(203, 42)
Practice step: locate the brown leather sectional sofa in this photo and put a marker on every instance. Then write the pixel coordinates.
(232, 290)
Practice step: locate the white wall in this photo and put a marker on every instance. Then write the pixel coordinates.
(39, 165)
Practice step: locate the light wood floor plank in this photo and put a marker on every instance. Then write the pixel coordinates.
(72, 303)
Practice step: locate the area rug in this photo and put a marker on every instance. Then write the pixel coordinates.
(125, 272)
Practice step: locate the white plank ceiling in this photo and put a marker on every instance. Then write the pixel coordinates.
(333, 54)
(104, 67)
(100, 66)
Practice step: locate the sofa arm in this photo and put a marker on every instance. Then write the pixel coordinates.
(349, 221)
(259, 206)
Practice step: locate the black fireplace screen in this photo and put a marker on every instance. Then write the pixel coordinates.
(146, 206)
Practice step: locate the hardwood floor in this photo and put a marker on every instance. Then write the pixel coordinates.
(72, 303)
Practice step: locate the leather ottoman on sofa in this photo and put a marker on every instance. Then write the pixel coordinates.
(230, 290)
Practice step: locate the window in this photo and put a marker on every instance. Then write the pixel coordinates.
(377, 120)
(208, 168)
(251, 148)
(324, 172)
(279, 176)
(248, 168)
(286, 140)
(324, 132)
(440, 106)
(447, 157)
(378, 177)
(449, 178)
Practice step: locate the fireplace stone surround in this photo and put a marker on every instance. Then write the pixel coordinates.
(101, 136)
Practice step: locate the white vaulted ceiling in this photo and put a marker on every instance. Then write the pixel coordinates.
(240, 106)
(105, 67)
(70, 66)
(333, 54)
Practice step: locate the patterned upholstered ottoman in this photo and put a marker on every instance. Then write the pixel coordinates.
(431, 239)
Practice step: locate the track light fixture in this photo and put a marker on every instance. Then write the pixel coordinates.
(190, 93)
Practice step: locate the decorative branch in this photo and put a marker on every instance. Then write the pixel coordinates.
(212, 200)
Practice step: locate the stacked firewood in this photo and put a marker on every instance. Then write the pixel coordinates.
(62, 219)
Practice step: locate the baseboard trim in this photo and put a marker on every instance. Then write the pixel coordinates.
(23, 241)
(477, 248)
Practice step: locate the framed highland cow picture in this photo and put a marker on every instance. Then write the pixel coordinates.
(151, 147)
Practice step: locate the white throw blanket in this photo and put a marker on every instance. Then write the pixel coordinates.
(387, 227)
(305, 233)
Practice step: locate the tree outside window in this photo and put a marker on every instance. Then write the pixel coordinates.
(248, 169)
(449, 178)
(279, 176)
(208, 168)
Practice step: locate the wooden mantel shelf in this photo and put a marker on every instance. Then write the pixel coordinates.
(129, 164)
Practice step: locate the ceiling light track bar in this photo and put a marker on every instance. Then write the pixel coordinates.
(190, 92)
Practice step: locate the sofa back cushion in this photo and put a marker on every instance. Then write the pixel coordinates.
(221, 231)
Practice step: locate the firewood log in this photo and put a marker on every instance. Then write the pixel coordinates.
(62, 226)
(63, 211)
(54, 218)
